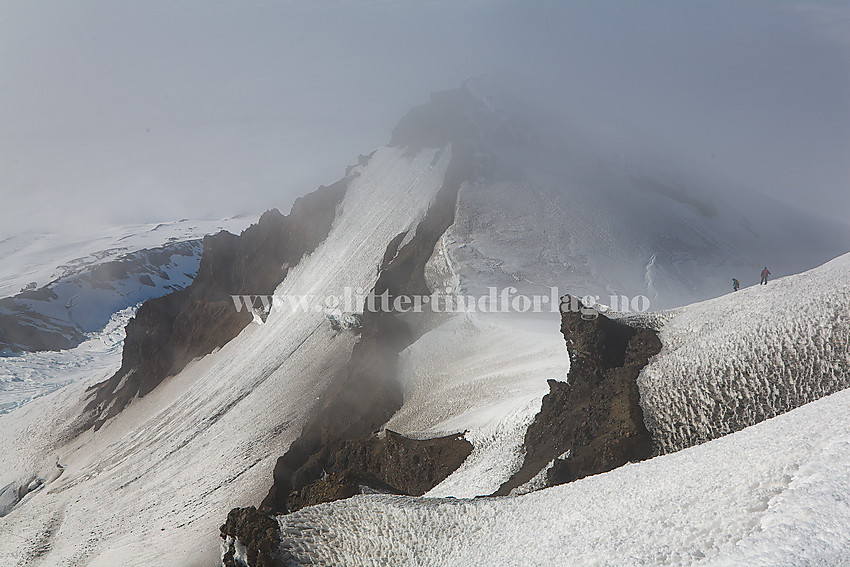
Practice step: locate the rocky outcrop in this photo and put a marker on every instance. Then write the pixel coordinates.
(251, 537)
(168, 332)
(593, 423)
(388, 462)
(398, 465)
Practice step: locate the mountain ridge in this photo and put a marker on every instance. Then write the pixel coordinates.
(152, 483)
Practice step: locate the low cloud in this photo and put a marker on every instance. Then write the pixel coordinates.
(132, 112)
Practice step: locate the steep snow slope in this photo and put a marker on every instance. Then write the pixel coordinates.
(151, 487)
(483, 375)
(735, 360)
(773, 494)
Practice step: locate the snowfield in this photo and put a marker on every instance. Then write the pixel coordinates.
(777, 493)
(735, 360)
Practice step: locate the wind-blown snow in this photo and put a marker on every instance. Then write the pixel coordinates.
(749, 355)
(154, 483)
(773, 494)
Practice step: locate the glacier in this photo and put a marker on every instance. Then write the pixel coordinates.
(41, 257)
(83, 286)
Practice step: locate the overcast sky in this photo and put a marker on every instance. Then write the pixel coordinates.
(119, 112)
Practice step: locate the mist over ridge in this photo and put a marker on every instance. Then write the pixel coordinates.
(120, 113)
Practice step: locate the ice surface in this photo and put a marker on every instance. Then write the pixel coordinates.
(28, 375)
(78, 303)
(732, 361)
(83, 302)
(773, 494)
(152, 486)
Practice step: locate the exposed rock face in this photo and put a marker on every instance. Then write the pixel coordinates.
(258, 532)
(168, 332)
(388, 463)
(58, 315)
(398, 465)
(366, 393)
(596, 415)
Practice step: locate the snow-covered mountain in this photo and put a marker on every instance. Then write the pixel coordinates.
(207, 438)
(214, 408)
(547, 208)
(774, 493)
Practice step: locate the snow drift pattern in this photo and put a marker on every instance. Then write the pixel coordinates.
(734, 361)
